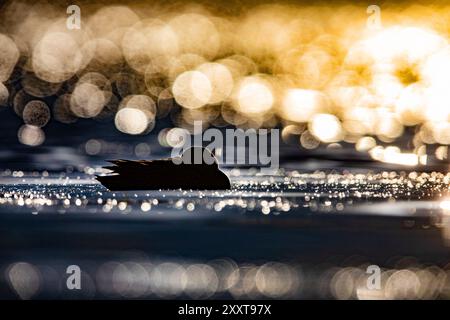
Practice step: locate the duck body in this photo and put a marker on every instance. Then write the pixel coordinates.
(164, 174)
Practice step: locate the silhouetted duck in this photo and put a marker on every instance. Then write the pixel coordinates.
(196, 169)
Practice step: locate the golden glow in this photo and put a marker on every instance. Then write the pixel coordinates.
(254, 96)
(442, 153)
(220, 79)
(136, 115)
(365, 144)
(309, 141)
(410, 105)
(393, 155)
(410, 43)
(301, 105)
(36, 113)
(4, 95)
(315, 66)
(196, 33)
(87, 100)
(31, 135)
(445, 205)
(192, 89)
(9, 54)
(326, 128)
(131, 121)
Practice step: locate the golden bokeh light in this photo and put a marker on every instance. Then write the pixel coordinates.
(365, 144)
(9, 54)
(31, 135)
(262, 66)
(4, 95)
(326, 128)
(221, 81)
(301, 105)
(131, 121)
(87, 100)
(254, 96)
(192, 89)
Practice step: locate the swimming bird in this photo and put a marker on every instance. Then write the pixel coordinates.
(197, 168)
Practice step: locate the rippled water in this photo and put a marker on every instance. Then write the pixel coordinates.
(269, 195)
(314, 225)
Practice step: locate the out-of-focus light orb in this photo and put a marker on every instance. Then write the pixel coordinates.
(36, 113)
(441, 132)
(314, 68)
(37, 87)
(182, 63)
(445, 205)
(57, 57)
(426, 134)
(162, 137)
(411, 43)
(326, 127)
(231, 116)
(308, 140)
(4, 95)
(365, 144)
(108, 20)
(20, 100)
(168, 279)
(24, 279)
(300, 105)
(411, 105)
(334, 146)
(292, 133)
(93, 147)
(87, 100)
(393, 154)
(377, 153)
(435, 71)
(131, 121)
(221, 81)
(142, 150)
(148, 40)
(61, 109)
(347, 97)
(141, 102)
(275, 280)
(343, 283)
(359, 120)
(146, 206)
(202, 280)
(388, 126)
(266, 30)
(240, 65)
(402, 284)
(442, 153)
(254, 96)
(165, 103)
(107, 54)
(437, 104)
(192, 89)
(196, 33)
(31, 135)
(386, 88)
(9, 55)
(176, 137)
(161, 38)
(96, 79)
(206, 115)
